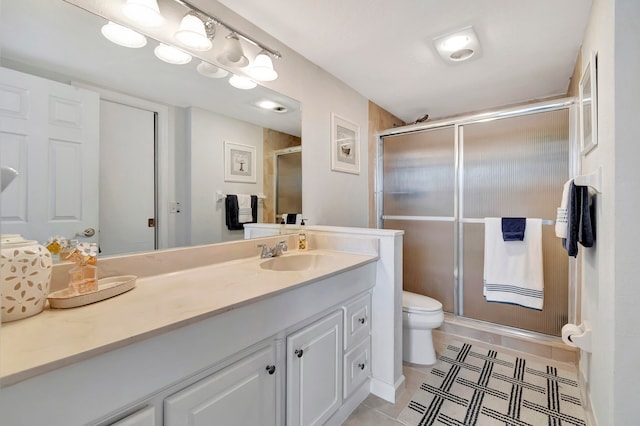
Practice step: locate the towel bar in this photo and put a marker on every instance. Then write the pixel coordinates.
(592, 180)
(221, 196)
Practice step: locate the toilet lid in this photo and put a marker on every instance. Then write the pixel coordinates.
(418, 302)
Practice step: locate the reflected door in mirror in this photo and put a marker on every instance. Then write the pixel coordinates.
(49, 134)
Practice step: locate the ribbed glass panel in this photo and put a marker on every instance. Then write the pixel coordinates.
(419, 173)
(427, 259)
(516, 167)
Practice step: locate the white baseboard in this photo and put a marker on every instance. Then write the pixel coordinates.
(385, 390)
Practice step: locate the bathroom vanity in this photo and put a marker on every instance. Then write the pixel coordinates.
(242, 340)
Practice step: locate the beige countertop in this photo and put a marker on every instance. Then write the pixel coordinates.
(59, 337)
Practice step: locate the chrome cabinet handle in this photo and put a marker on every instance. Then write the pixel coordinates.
(298, 352)
(271, 369)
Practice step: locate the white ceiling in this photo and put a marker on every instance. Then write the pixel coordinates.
(384, 49)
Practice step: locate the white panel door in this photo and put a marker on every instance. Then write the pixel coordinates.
(49, 133)
(242, 394)
(314, 372)
(127, 178)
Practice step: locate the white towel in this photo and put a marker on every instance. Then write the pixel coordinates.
(244, 208)
(562, 219)
(513, 269)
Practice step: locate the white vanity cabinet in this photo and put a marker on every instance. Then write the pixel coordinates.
(314, 371)
(244, 393)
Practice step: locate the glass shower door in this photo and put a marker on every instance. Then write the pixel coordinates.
(514, 167)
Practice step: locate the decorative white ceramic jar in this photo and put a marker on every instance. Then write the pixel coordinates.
(25, 277)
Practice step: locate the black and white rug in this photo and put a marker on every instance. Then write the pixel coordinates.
(470, 385)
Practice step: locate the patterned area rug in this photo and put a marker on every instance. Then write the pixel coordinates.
(475, 386)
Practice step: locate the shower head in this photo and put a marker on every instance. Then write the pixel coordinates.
(7, 176)
(422, 118)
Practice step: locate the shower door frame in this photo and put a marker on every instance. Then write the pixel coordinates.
(458, 124)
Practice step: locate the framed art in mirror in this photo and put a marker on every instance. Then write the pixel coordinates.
(345, 145)
(589, 105)
(239, 162)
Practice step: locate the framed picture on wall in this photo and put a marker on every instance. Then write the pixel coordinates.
(345, 145)
(589, 105)
(239, 162)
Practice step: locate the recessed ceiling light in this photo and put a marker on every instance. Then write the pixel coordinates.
(455, 42)
(272, 106)
(458, 46)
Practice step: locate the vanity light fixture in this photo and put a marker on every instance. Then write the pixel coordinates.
(458, 46)
(240, 82)
(123, 36)
(171, 55)
(211, 71)
(232, 54)
(262, 68)
(143, 12)
(192, 33)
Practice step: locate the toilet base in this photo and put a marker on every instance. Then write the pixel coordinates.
(417, 347)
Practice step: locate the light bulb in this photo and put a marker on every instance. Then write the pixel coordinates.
(171, 55)
(123, 36)
(240, 82)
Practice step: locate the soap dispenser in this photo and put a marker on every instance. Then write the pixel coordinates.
(302, 237)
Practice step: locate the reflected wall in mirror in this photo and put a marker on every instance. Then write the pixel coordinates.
(154, 136)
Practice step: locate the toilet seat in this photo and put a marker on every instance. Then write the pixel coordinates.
(412, 302)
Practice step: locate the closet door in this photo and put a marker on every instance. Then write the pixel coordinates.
(515, 167)
(418, 197)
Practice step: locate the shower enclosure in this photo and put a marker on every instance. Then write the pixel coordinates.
(439, 181)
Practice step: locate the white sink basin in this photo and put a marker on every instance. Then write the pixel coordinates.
(296, 262)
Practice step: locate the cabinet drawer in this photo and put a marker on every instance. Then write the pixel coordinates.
(357, 320)
(357, 366)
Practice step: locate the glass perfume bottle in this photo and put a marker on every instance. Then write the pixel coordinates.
(83, 277)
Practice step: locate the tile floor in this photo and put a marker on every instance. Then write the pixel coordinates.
(375, 411)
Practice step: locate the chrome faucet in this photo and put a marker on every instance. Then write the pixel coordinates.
(272, 252)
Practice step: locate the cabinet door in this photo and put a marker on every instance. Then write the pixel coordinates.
(242, 394)
(314, 372)
(144, 417)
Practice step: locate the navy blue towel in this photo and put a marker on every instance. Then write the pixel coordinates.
(581, 220)
(513, 228)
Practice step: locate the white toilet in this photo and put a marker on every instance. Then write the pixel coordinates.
(420, 315)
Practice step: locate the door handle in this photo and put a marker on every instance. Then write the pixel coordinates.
(89, 232)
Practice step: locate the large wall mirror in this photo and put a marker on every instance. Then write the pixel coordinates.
(153, 176)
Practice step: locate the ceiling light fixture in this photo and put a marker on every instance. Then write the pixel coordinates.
(144, 12)
(211, 71)
(192, 33)
(123, 36)
(240, 82)
(458, 46)
(171, 54)
(262, 68)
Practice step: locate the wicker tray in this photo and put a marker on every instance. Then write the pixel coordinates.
(107, 288)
